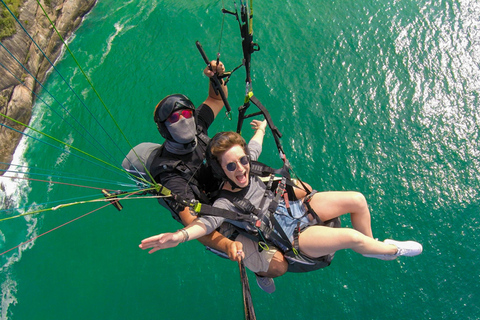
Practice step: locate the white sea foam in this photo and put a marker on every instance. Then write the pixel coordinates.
(9, 289)
(64, 156)
(15, 190)
(129, 22)
(11, 185)
(118, 28)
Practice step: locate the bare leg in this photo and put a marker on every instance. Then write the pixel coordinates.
(278, 266)
(300, 191)
(317, 241)
(329, 205)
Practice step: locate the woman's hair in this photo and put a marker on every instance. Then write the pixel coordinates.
(223, 141)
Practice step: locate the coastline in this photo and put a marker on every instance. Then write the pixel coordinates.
(16, 98)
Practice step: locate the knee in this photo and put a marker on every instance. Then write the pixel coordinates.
(356, 238)
(359, 200)
(278, 266)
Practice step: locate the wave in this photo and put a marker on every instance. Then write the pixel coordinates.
(9, 289)
(118, 28)
(13, 194)
(128, 22)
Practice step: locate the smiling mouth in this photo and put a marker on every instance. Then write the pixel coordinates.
(241, 178)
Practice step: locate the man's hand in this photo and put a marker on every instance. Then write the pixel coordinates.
(235, 251)
(220, 69)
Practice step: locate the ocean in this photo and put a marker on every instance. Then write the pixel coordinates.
(379, 97)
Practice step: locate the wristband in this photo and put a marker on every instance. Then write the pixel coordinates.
(185, 235)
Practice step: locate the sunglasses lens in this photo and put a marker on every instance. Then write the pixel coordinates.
(187, 114)
(174, 117)
(244, 160)
(231, 166)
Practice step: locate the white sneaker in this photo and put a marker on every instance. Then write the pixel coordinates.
(404, 248)
(266, 284)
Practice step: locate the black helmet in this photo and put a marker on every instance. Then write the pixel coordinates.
(166, 107)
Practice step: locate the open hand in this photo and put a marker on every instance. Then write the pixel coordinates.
(161, 241)
(259, 125)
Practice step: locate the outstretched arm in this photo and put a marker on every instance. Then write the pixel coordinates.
(170, 240)
(194, 230)
(215, 239)
(259, 127)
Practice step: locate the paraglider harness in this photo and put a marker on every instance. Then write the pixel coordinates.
(164, 164)
(158, 162)
(269, 231)
(265, 223)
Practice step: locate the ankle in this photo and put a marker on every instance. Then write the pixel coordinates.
(395, 249)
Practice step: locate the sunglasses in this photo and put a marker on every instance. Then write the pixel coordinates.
(232, 166)
(174, 117)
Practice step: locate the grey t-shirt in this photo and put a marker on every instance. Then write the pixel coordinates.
(254, 192)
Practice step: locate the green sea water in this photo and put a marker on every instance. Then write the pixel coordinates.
(375, 96)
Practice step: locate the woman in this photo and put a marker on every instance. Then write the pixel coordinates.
(230, 155)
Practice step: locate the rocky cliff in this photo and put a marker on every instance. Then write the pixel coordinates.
(16, 99)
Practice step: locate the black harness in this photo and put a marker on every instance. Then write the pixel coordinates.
(265, 222)
(163, 163)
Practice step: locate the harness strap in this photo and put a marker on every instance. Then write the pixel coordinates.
(262, 170)
(246, 206)
(278, 194)
(287, 204)
(202, 136)
(278, 240)
(307, 200)
(271, 210)
(160, 164)
(280, 231)
(200, 195)
(205, 209)
(296, 234)
(265, 195)
(256, 217)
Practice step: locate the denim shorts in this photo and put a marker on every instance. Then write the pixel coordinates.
(289, 223)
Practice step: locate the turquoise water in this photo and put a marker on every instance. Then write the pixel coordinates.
(376, 96)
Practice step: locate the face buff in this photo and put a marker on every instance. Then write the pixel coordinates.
(184, 133)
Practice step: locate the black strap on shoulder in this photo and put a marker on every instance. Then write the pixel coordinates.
(262, 170)
(162, 164)
(246, 206)
(265, 195)
(202, 136)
